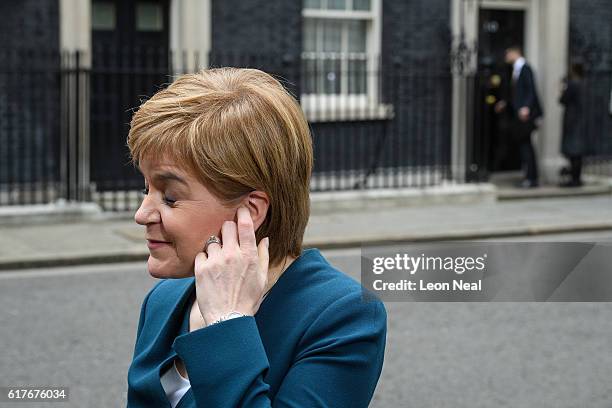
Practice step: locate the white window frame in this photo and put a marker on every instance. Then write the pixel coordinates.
(338, 107)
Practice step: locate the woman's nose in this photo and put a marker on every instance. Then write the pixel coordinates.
(147, 213)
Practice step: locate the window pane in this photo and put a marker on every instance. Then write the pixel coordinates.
(310, 35)
(312, 4)
(103, 15)
(149, 17)
(336, 4)
(362, 5)
(309, 74)
(356, 36)
(357, 76)
(332, 35)
(331, 76)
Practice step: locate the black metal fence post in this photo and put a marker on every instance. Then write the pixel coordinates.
(71, 126)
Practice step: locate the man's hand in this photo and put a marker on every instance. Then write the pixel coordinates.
(500, 106)
(523, 113)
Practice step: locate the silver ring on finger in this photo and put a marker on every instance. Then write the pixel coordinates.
(212, 239)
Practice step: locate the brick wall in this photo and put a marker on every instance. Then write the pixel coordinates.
(591, 27)
(29, 90)
(416, 45)
(30, 23)
(591, 42)
(265, 34)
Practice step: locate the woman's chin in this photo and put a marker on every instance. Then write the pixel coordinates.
(158, 274)
(165, 270)
(160, 269)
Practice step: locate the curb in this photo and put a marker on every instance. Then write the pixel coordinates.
(462, 235)
(377, 199)
(327, 243)
(52, 213)
(42, 262)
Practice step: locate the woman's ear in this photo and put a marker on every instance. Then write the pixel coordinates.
(257, 202)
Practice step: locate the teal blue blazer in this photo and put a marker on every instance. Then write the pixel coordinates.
(317, 340)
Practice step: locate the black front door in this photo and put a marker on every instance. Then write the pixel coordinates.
(493, 148)
(130, 44)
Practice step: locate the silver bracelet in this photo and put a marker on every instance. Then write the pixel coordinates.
(230, 315)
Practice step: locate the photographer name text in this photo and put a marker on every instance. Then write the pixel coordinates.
(420, 285)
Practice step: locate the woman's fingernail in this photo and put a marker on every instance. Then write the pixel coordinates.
(267, 242)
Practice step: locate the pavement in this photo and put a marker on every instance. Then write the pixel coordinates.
(119, 239)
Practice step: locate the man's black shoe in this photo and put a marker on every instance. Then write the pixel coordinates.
(571, 183)
(528, 184)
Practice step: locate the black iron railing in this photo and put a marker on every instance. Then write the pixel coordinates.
(30, 126)
(65, 119)
(376, 123)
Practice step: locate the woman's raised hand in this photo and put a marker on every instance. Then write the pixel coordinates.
(232, 276)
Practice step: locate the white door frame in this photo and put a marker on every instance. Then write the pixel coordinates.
(190, 28)
(190, 32)
(546, 49)
(75, 27)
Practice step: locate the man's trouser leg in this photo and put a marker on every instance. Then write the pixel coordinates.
(527, 152)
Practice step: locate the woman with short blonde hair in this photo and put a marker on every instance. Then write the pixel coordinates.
(242, 315)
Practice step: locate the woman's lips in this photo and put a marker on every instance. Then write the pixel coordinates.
(153, 244)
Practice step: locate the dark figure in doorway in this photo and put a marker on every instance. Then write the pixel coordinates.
(505, 124)
(524, 106)
(573, 145)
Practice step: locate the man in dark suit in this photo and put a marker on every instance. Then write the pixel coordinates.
(524, 105)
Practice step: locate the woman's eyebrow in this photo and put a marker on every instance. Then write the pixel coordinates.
(168, 176)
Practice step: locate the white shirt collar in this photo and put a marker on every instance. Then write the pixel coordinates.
(517, 66)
